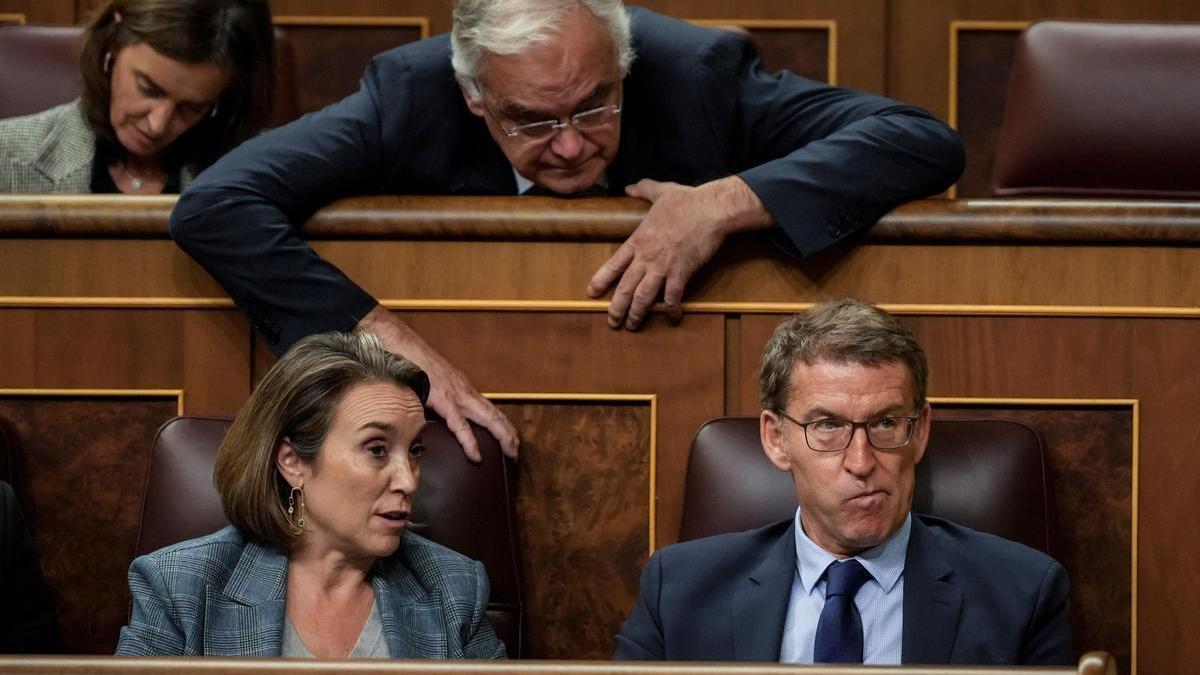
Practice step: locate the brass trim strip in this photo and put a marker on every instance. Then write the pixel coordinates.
(652, 399)
(701, 307)
(103, 302)
(1133, 646)
(16, 18)
(955, 27)
(1115, 311)
(1134, 406)
(348, 21)
(177, 394)
(828, 25)
(1046, 402)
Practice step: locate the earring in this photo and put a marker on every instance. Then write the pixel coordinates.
(212, 114)
(296, 508)
(108, 57)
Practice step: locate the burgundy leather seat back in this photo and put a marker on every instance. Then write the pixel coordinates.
(41, 67)
(41, 70)
(1102, 109)
(983, 473)
(464, 506)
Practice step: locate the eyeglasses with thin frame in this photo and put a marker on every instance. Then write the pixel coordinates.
(592, 119)
(886, 432)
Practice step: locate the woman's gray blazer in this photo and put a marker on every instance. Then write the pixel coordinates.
(223, 595)
(51, 151)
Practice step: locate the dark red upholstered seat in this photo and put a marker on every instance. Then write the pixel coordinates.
(984, 473)
(41, 67)
(467, 507)
(1102, 109)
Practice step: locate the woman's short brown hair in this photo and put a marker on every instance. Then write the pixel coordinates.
(236, 35)
(297, 400)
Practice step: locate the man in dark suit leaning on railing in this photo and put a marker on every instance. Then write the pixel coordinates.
(855, 576)
(566, 97)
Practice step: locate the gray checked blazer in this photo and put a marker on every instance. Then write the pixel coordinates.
(223, 595)
(50, 151)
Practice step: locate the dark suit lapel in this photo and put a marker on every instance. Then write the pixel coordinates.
(636, 154)
(245, 618)
(760, 604)
(932, 602)
(483, 170)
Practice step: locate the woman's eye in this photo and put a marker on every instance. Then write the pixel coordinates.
(416, 450)
(377, 450)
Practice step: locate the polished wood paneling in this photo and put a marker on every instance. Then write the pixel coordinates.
(1092, 531)
(546, 353)
(80, 471)
(805, 47)
(333, 52)
(39, 11)
(583, 511)
(979, 88)
(204, 353)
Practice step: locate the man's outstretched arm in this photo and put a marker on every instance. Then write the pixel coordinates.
(240, 221)
(819, 162)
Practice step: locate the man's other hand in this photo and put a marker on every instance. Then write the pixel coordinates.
(682, 230)
(451, 394)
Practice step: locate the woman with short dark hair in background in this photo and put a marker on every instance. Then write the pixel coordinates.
(317, 476)
(168, 87)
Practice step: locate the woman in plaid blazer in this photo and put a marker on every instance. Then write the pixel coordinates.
(317, 476)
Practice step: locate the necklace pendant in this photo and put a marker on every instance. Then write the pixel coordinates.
(136, 183)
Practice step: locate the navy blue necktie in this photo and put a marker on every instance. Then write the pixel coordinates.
(839, 631)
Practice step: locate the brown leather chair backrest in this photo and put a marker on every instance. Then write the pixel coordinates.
(1102, 109)
(41, 67)
(982, 473)
(41, 70)
(467, 507)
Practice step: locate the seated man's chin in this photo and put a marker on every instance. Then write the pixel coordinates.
(567, 183)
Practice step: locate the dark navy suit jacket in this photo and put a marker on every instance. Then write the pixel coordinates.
(825, 161)
(969, 598)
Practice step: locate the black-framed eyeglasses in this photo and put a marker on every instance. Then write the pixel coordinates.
(829, 434)
(584, 121)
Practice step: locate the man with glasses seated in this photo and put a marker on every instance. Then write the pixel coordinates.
(565, 97)
(855, 576)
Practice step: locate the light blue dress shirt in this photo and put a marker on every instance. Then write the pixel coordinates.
(880, 601)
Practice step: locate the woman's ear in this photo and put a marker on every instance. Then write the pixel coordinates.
(288, 463)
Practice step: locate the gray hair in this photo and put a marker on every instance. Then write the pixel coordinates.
(846, 330)
(507, 27)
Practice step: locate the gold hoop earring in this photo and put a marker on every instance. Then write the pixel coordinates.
(295, 509)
